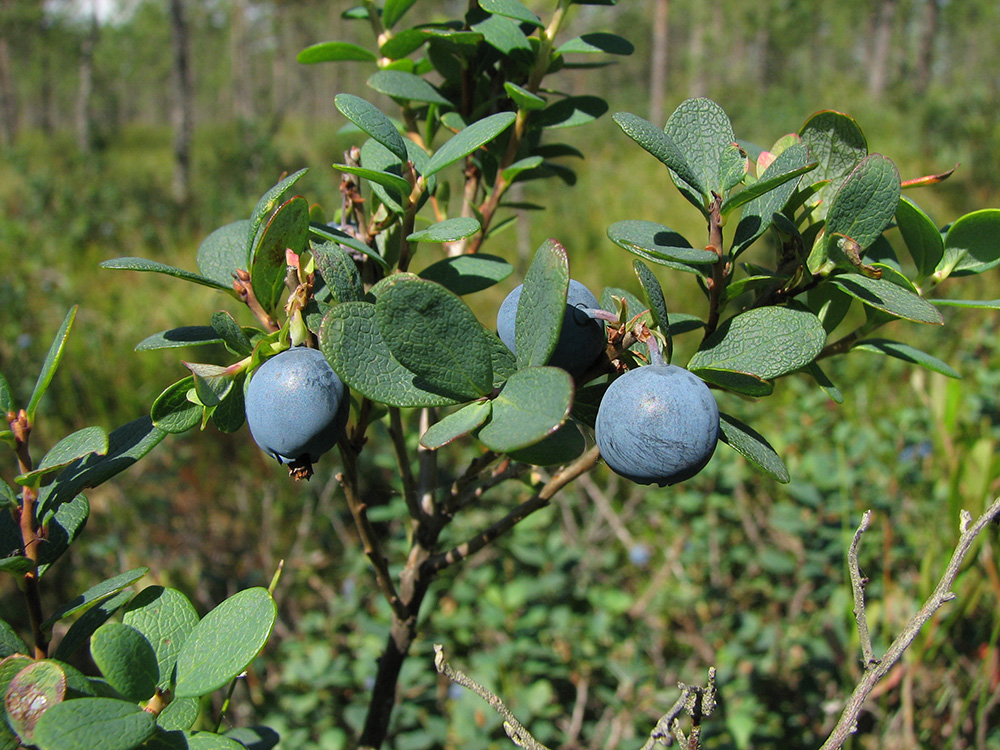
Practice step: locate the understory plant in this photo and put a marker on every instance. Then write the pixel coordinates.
(811, 249)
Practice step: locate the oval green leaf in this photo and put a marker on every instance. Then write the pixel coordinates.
(372, 121)
(468, 140)
(765, 343)
(405, 86)
(31, 693)
(456, 425)
(888, 297)
(51, 363)
(349, 338)
(126, 659)
(223, 252)
(74, 725)
(975, 239)
(922, 237)
(533, 404)
(211, 656)
(287, 229)
(166, 617)
(334, 52)
(751, 445)
(449, 230)
(172, 411)
(542, 305)
(435, 335)
(95, 594)
(465, 274)
(906, 353)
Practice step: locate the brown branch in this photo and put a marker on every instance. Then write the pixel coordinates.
(403, 462)
(858, 583)
(536, 502)
(716, 284)
(847, 724)
(514, 729)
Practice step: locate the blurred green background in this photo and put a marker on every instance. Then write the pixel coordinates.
(587, 615)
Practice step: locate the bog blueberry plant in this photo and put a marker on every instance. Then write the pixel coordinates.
(334, 295)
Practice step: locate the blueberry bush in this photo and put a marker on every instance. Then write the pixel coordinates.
(350, 321)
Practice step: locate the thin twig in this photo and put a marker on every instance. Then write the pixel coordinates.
(858, 583)
(847, 724)
(536, 502)
(398, 436)
(369, 539)
(514, 729)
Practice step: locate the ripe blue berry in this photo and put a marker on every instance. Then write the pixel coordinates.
(657, 424)
(581, 339)
(296, 406)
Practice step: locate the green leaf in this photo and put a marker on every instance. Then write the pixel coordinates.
(456, 425)
(570, 112)
(751, 445)
(503, 34)
(72, 447)
(597, 41)
(10, 642)
(212, 741)
(465, 274)
(126, 659)
(151, 266)
(210, 656)
(504, 361)
(906, 353)
(702, 131)
(74, 725)
(468, 140)
(85, 625)
(450, 230)
(50, 364)
(511, 9)
(339, 271)
(534, 402)
(972, 243)
(660, 244)
(264, 208)
(993, 304)
(824, 382)
(523, 98)
(287, 229)
(235, 338)
(16, 565)
(126, 445)
(370, 119)
(434, 334)
(212, 383)
(654, 296)
(659, 144)
(223, 252)
(95, 594)
(65, 521)
(865, 203)
(888, 297)
(178, 337)
(395, 10)
(404, 43)
(181, 713)
(172, 411)
(386, 179)
(334, 52)
(770, 180)
(405, 87)
(737, 382)
(35, 690)
(835, 141)
(523, 165)
(922, 237)
(342, 238)
(165, 617)
(255, 738)
(350, 339)
(764, 342)
(542, 306)
(6, 396)
(778, 179)
(561, 447)
(229, 415)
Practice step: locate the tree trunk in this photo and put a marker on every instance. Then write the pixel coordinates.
(878, 60)
(240, 62)
(182, 106)
(84, 121)
(925, 51)
(659, 61)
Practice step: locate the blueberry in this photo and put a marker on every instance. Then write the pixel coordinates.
(657, 424)
(581, 339)
(296, 406)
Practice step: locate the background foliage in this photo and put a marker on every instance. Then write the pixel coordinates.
(589, 614)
